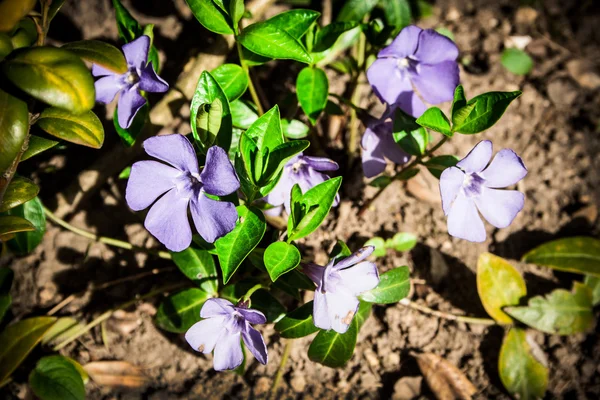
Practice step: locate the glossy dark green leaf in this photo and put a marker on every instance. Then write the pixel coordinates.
(333, 349)
(56, 378)
(18, 340)
(153, 56)
(266, 131)
(522, 366)
(12, 11)
(100, 53)
(232, 79)
(294, 22)
(208, 122)
(355, 10)
(402, 241)
(407, 174)
(178, 312)
(25, 242)
(243, 114)
(199, 266)
(487, 110)
(499, 285)
(20, 190)
(339, 251)
(516, 61)
(381, 181)
(14, 125)
(130, 135)
(460, 108)
(24, 35)
(593, 282)
(6, 46)
(234, 247)
(260, 300)
(394, 285)
(298, 323)
(9, 224)
(279, 157)
(280, 258)
(580, 255)
(294, 129)
(437, 165)
(37, 145)
(128, 27)
(329, 34)
(54, 8)
(397, 13)
(379, 244)
(54, 76)
(84, 128)
(210, 16)
(6, 279)
(269, 40)
(252, 59)
(409, 135)
(62, 329)
(434, 118)
(312, 89)
(560, 312)
(236, 11)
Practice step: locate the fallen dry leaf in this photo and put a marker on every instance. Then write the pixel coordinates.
(116, 374)
(445, 380)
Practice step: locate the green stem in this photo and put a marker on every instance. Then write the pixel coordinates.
(286, 354)
(251, 87)
(448, 316)
(103, 239)
(253, 289)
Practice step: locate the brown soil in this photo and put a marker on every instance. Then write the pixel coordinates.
(553, 126)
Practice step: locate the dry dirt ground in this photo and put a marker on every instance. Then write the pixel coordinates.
(554, 126)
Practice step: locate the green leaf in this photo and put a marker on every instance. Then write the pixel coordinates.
(409, 135)
(434, 118)
(593, 282)
(407, 174)
(381, 181)
(279, 157)
(327, 36)
(210, 16)
(312, 89)
(14, 125)
(232, 79)
(437, 165)
(24, 35)
(487, 110)
(100, 53)
(12, 11)
(268, 40)
(460, 109)
(281, 258)
(294, 129)
(260, 300)
(402, 241)
(298, 323)
(294, 22)
(178, 312)
(397, 13)
(234, 247)
(393, 286)
(339, 251)
(314, 205)
(56, 378)
(128, 27)
(18, 340)
(516, 61)
(6, 46)
(6, 279)
(83, 128)
(580, 255)
(252, 59)
(54, 8)
(379, 245)
(20, 190)
(62, 329)
(10, 224)
(236, 11)
(334, 349)
(560, 312)
(522, 369)
(208, 122)
(355, 10)
(199, 266)
(54, 76)
(243, 114)
(499, 285)
(266, 130)
(129, 135)
(207, 90)
(37, 145)
(25, 242)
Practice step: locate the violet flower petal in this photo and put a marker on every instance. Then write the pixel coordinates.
(341, 307)
(360, 278)
(373, 161)
(321, 163)
(435, 48)
(151, 82)
(130, 102)
(136, 52)
(320, 311)
(203, 335)
(228, 352)
(478, 158)
(436, 83)
(282, 190)
(410, 103)
(252, 316)
(451, 181)
(404, 45)
(174, 149)
(355, 258)
(464, 221)
(314, 272)
(167, 220)
(213, 219)
(500, 207)
(218, 175)
(387, 81)
(107, 88)
(392, 151)
(147, 181)
(506, 169)
(256, 344)
(216, 307)
(98, 70)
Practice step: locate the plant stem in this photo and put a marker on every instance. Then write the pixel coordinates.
(253, 289)
(251, 87)
(356, 94)
(286, 354)
(451, 317)
(106, 240)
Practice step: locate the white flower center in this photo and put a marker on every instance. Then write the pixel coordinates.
(403, 63)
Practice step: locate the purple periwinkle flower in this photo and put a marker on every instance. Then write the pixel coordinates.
(182, 186)
(306, 171)
(222, 328)
(470, 186)
(140, 75)
(378, 144)
(420, 58)
(338, 286)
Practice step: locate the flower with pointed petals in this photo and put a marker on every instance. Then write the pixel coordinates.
(470, 186)
(378, 144)
(420, 58)
(140, 75)
(222, 328)
(306, 171)
(180, 186)
(338, 286)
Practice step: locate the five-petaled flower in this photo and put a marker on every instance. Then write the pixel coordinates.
(338, 286)
(378, 144)
(418, 57)
(470, 186)
(140, 75)
(304, 171)
(222, 328)
(182, 185)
